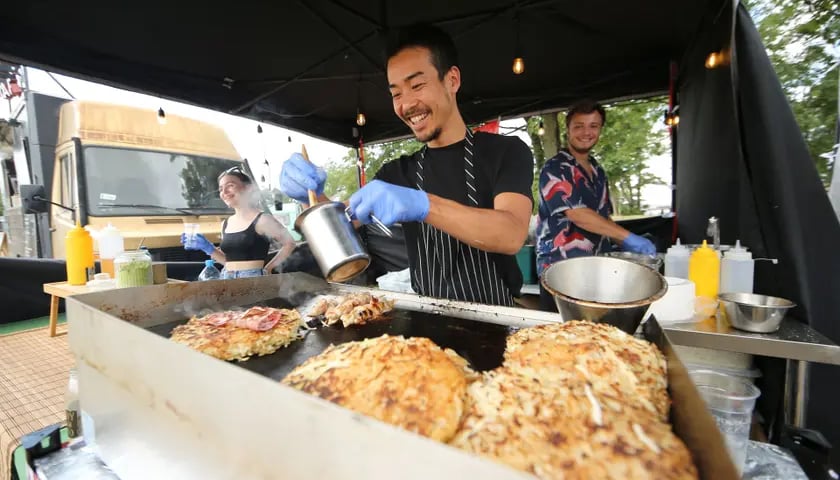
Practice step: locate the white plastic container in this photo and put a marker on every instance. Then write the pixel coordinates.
(677, 304)
(737, 270)
(102, 281)
(110, 244)
(676, 261)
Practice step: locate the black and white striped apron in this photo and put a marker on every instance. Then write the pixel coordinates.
(449, 268)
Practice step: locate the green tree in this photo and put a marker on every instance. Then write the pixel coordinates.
(342, 178)
(627, 141)
(803, 43)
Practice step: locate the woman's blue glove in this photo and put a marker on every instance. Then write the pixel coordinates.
(389, 203)
(298, 176)
(197, 242)
(637, 244)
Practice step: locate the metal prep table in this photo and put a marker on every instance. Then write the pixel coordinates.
(795, 342)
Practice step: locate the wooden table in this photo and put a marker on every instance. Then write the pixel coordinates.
(58, 290)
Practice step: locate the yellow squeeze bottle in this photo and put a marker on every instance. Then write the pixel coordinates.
(79, 248)
(704, 271)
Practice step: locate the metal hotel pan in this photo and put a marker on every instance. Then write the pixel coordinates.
(161, 410)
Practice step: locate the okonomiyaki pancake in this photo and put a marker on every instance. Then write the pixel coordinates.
(240, 335)
(411, 383)
(556, 346)
(567, 430)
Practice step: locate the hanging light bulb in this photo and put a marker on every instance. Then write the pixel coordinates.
(161, 116)
(518, 65)
(259, 128)
(290, 139)
(672, 118)
(713, 60)
(360, 119)
(541, 130)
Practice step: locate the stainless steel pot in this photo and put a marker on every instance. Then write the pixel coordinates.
(753, 312)
(604, 289)
(333, 240)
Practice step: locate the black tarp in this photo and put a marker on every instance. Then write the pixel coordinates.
(309, 65)
(741, 157)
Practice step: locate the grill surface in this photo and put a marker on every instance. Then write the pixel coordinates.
(481, 344)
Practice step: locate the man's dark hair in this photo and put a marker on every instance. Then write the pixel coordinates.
(439, 43)
(585, 106)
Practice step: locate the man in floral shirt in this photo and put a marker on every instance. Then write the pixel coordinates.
(575, 207)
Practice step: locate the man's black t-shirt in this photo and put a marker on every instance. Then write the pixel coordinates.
(502, 164)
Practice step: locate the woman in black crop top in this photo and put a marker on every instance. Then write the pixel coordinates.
(247, 234)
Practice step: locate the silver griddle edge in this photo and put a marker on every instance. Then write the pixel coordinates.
(156, 409)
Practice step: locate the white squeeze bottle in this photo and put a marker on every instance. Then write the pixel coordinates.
(676, 261)
(110, 244)
(736, 270)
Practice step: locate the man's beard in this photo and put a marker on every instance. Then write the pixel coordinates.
(579, 150)
(432, 136)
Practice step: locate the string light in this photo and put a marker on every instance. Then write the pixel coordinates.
(541, 130)
(518, 65)
(672, 118)
(161, 116)
(717, 59)
(712, 60)
(360, 119)
(518, 61)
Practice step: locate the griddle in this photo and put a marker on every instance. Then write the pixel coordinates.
(481, 344)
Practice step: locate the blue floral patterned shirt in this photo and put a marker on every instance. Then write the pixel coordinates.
(565, 184)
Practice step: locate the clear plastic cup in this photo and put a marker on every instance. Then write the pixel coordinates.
(191, 230)
(730, 400)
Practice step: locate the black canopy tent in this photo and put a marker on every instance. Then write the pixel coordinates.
(310, 66)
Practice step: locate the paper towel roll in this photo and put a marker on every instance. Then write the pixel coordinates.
(677, 304)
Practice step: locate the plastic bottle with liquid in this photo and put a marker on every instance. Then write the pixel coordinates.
(71, 405)
(78, 246)
(704, 271)
(210, 272)
(111, 243)
(737, 270)
(676, 261)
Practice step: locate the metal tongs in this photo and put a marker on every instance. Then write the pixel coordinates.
(313, 199)
(382, 227)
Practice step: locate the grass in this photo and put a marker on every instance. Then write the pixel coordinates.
(14, 327)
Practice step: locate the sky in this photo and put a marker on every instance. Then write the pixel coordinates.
(272, 144)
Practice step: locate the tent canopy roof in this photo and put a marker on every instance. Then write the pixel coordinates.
(309, 65)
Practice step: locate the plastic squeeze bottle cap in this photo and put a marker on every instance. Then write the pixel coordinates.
(678, 249)
(737, 252)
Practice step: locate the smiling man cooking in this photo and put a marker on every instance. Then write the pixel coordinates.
(464, 199)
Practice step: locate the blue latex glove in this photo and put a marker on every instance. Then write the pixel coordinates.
(389, 203)
(637, 244)
(298, 176)
(197, 242)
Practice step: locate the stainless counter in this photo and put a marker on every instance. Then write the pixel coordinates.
(793, 341)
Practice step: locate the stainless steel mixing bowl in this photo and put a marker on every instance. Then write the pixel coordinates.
(753, 312)
(604, 289)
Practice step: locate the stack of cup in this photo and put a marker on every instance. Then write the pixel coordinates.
(730, 400)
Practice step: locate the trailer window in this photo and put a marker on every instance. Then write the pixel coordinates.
(123, 181)
(67, 172)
